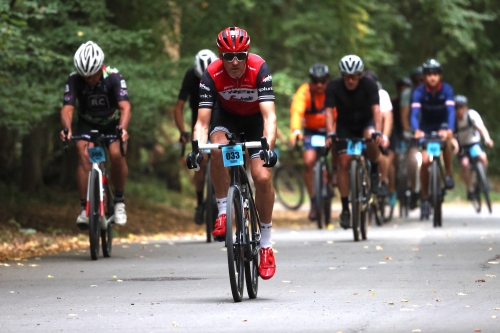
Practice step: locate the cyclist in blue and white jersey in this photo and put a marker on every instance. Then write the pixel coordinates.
(433, 110)
(468, 130)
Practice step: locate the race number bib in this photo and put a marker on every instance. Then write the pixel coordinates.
(318, 141)
(232, 156)
(433, 149)
(354, 148)
(97, 155)
(475, 150)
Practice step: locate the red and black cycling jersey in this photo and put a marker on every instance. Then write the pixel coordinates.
(237, 96)
(99, 104)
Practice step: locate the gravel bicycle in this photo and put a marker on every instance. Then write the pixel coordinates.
(433, 144)
(322, 185)
(100, 192)
(479, 179)
(242, 219)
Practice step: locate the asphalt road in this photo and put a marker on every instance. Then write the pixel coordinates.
(408, 277)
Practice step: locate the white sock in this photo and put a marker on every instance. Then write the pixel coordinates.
(221, 204)
(265, 235)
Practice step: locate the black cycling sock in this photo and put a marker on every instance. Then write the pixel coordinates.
(119, 197)
(374, 168)
(199, 197)
(345, 203)
(83, 203)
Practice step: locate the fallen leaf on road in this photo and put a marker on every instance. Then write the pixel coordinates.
(223, 249)
(447, 235)
(477, 330)
(388, 258)
(274, 250)
(494, 317)
(93, 285)
(434, 291)
(365, 247)
(114, 277)
(391, 303)
(496, 309)
(331, 267)
(174, 324)
(119, 280)
(244, 320)
(19, 264)
(416, 330)
(490, 249)
(467, 306)
(382, 262)
(415, 249)
(292, 291)
(404, 300)
(378, 248)
(441, 255)
(372, 294)
(285, 281)
(491, 275)
(33, 265)
(461, 294)
(157, 245)
(329, 242)
(482, 280)
(49, 276)
(438, 300)
(12, 291)
(493, 262)
(362, 268)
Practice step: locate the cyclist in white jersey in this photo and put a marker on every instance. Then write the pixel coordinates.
(469, 128)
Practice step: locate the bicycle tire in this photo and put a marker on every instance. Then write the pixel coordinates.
(355, 194)
(234, 239)
(483, 184)
(476, 200)
(211, 210)
(318, 187)
(107, 233)
(289, 187)
(364, 216)
(436, 193)
(252, 250)
(94, 214)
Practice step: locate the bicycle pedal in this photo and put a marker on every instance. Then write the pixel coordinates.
(219, 239)
(83, 226)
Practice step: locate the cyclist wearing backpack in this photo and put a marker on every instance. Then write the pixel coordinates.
(190, 88)
(469, 128)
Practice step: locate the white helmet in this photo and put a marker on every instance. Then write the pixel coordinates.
(350, 65)
(88, 59)
(202, 60)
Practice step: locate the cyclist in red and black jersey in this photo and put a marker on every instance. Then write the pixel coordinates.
(103, 104)
(236, 93)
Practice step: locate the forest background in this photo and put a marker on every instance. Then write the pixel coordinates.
(153, 43)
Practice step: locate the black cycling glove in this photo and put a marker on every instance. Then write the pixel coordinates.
(269, 157)
(193, 161)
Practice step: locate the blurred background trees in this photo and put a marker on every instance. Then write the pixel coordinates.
(153, 42)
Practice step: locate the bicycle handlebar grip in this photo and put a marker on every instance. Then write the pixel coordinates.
(195, 148)
(263, 143)
(65, 145)
(375, 135)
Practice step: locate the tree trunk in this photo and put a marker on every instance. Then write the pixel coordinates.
(31, 158)
(7, 155)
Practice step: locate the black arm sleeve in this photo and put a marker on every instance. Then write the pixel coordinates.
(185, 88)
(373, 95)
(265, 84)
(119, 87)
(70, 91)
(208, 93)
(330, 95)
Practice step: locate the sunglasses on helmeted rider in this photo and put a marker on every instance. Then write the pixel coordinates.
(322, 81)
(229, 56)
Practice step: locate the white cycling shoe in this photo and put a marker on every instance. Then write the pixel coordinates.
(82, 221)
(120, 213)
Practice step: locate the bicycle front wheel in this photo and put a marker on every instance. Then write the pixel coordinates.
(289, 187)
(107, 230)
(319, 185)
(94, 213)
(355, 189)
(252, 231)
(234, 243)
(436, 193)
(483, 184)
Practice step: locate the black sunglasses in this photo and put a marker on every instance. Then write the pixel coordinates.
(229, 56)
(322, 80)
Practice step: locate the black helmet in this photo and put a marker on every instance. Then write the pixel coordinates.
(417, 71)
(404, 81)
(319, 71)
(461, 100)
(432, 66)
(371, 75)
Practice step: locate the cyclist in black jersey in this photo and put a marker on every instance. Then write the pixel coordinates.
(356, 99)
(190, 88)
(100, 94)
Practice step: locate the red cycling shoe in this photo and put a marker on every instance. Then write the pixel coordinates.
(267, 266)
(219, 231)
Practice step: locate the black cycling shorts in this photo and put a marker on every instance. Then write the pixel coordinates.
(252, 126)
(84, 127)
(344, 132)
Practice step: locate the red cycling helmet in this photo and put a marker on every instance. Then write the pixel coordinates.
(233, 39)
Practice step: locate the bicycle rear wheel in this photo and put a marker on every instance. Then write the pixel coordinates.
(234, 243)
(483, 184)
(436, 193)
(211, 210)
(107, 231)
(252, 246)
(289, 187)
(94, 214)
(355, 192)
